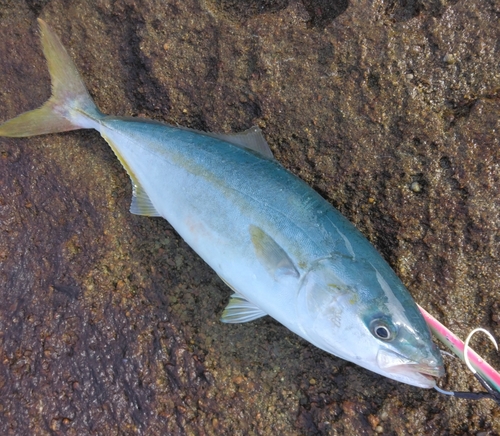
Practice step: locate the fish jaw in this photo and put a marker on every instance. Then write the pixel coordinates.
(397, 367)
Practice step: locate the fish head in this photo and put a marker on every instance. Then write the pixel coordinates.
(362, 313)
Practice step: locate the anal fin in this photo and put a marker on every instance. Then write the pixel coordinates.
(141, 204)
(240, 310)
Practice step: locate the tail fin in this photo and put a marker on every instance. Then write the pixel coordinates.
(70, 107)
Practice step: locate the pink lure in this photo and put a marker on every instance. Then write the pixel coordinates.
(455, 344)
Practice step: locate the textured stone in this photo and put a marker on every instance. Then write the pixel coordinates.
(109, 322)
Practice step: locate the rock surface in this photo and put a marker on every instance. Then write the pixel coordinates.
(109, 323)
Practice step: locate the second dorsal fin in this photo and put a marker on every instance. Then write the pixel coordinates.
(251, 139)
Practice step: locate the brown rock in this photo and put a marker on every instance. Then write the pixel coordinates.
(361, 100)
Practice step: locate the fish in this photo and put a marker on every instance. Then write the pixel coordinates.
(282, 249)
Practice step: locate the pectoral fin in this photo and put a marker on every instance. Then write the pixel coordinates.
(271, 255)
(240, 310)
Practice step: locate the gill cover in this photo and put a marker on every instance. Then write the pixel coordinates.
(325, 302)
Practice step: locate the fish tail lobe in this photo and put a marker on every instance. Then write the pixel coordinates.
(70, 106)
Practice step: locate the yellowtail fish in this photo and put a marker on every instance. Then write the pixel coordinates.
(282, 249)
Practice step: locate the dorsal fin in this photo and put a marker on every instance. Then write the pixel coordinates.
(251, 139)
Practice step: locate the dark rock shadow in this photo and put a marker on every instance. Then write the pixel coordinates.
(36, 6)
(249, 8)
(323, 12)
(404, 10)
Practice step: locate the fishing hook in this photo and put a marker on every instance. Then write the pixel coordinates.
(491, 393)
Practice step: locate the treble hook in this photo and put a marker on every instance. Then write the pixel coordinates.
(491, 393)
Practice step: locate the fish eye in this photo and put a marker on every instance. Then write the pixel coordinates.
(383, 330)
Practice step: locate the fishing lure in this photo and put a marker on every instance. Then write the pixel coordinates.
(486, 375)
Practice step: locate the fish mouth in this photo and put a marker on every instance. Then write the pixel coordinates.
(421, 373)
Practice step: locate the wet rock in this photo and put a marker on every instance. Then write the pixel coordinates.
(109, 322)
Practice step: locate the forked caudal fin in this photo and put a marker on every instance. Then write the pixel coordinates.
(69, 108)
